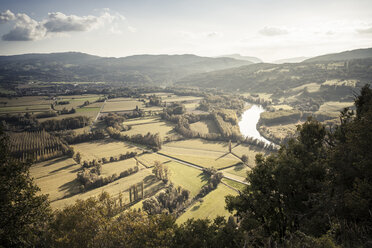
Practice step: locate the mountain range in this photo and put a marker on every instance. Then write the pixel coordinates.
(234, 72)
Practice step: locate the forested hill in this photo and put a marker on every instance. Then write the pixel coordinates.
(346, 55)
(138, 69)
(272, 78)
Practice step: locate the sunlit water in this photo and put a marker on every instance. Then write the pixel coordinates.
(248, 123)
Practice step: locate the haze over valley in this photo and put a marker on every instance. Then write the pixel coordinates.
(185, 123)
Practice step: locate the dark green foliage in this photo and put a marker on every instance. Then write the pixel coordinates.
(318, 184)
(204, 233)
(171, 200)
(67, 123)
(23, 214)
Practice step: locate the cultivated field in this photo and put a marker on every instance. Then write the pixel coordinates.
(200, 152)
(187, 177)
(103, 149)
(152, 125)
(116, 187)
(212, 205)
(334, 107)
(234, 184)
(56, 177)
(109, 169)
(204, 127)
(239, 171)
(148, 159)
(249, 151)
(123, 105)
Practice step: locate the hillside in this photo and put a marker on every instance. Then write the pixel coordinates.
(346, 55)
(240, 57)
(273, 77)
(138, 69)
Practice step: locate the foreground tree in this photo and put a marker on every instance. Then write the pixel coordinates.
(23, 214)
(320, 183)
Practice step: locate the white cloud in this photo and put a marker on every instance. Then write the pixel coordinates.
(6, 16)
(59, 22)
(365, 30)
(273, 31)
(26, 28)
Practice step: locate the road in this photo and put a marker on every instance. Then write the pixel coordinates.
(99, 112)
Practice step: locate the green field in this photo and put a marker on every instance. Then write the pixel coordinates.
(234, 184)
(213, 205)
(187, 177)
(103, 149)
(238, 170)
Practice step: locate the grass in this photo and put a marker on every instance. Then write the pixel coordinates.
(125, 105)
(334, 107)
(154, 125)
(250, 151)
(187, 177)
(103, 148)
(117, 167)
(148, 159)
(56, 177)
(115, 188)
(23, 109)
(234, 184)
(311, 87)
(207, 126)
(200, 152)
(200, 144)
(175, 98)
(213, 205)
(238, 170)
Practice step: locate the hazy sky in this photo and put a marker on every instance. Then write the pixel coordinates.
(268, 29)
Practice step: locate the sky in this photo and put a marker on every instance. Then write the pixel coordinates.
(268, 29)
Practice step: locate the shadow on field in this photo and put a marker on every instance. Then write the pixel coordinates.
(204, 177)
(194, 208)
(70, 187)
(151, 179)
(54, 161)
(62, 168)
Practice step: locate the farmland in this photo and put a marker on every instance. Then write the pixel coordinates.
(115, 188)
(152, 125)
(187, 177)
(103, 149)
(211, 206)
(56, 177)
(59, 177)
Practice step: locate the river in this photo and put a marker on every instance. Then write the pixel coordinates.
(248, 123)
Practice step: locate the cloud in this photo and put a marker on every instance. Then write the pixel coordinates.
(25, 28)
(59, 22)
(365, 31)
(213, 34)
(272, 31)
(6, 16)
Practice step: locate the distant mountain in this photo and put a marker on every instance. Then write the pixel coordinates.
(291, 60)
(138, 69)
(240, 57)
(347, 55)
